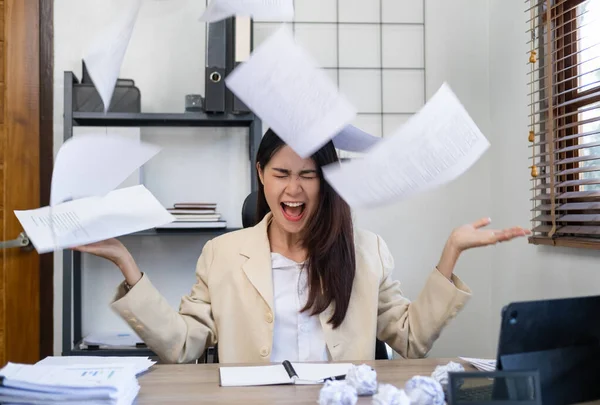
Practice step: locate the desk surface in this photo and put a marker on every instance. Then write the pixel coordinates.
(195, 383)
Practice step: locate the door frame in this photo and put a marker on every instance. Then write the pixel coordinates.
(46, 61)
(26, 162)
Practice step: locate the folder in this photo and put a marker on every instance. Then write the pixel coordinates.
(242, 49)
(216, 60)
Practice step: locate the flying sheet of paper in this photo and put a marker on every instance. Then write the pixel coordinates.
(282, 84)
(432, 148)
(94, 164)
(105, 55)
(131, 133)
(92, 219)
(353, 139)
(264, 10)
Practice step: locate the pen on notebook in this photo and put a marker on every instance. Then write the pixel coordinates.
(293, 375)
(336, 377)
(290, 369)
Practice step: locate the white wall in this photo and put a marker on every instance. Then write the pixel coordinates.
(521, 271)
(457, 51)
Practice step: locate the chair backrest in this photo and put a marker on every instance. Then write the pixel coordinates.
(382, 351)
(249, 210)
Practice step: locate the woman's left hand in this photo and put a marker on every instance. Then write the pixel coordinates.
(471, 236)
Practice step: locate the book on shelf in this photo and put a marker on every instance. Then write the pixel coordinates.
(195, 206)
(197, 218)
(184, 211)
(194, 225)
(195, 215)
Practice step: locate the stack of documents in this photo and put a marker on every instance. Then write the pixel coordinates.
(69, 384)
(481, 364)
(140, 364)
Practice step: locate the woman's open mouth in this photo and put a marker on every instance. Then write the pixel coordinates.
(293, 211)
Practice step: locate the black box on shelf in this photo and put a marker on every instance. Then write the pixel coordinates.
(126, 97)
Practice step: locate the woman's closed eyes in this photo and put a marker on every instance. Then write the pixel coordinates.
(305, 174)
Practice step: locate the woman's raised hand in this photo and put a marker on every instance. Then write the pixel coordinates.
(116, 252)
(474, 235)
(110, 249)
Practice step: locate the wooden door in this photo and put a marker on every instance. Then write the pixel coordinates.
(25, 286)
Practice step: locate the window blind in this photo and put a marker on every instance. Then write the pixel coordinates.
(564, 121)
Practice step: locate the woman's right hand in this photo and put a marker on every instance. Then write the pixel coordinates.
(116, 252)
(111, 249)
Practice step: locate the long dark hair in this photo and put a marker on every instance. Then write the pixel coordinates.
(328, 236)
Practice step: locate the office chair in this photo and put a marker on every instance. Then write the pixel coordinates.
(249, 219)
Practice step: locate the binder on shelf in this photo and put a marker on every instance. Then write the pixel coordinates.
(216, 60)
(242, 50)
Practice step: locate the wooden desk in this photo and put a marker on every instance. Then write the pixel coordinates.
(199, 383)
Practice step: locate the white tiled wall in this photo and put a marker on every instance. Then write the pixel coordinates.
(373, 50)
(403, 11)
(319, 40)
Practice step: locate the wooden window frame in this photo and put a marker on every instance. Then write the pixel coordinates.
(566, 73)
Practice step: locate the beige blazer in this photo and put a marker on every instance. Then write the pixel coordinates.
(232, 304)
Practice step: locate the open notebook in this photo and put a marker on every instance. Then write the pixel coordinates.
(284, 373)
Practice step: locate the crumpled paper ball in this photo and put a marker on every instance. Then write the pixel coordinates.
(387, 394)
(363, 378)
(337, 392)
(424, 391)
(440, 374)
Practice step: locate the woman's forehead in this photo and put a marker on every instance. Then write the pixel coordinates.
(286, 158)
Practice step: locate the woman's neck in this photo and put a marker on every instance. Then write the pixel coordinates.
(285, 243)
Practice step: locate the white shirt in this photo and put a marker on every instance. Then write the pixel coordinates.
(296, 336)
